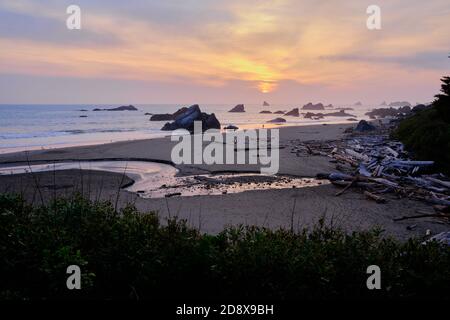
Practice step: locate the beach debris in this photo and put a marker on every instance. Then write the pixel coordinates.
(374, 197)
(380, 167)
(443, 237)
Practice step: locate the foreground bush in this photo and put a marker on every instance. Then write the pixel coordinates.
(131, 255)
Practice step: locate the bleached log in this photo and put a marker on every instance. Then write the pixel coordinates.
(363, 170)
(440, 182)
(374, 197)
(409, 163)
(392, 151)
(384, 182)
(357, 155)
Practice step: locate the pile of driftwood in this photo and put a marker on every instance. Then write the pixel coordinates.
(381, 168)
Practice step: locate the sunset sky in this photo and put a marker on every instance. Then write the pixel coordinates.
(222, 51)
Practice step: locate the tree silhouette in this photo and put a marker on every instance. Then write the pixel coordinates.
(442, 102)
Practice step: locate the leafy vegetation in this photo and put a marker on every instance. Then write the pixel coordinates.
(129, 255)
(427, 133)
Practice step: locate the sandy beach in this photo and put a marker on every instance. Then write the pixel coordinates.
(286, 208)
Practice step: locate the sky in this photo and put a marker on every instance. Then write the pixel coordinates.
(222, 51)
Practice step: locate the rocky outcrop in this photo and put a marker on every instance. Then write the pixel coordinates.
(162, 117)
(363, 126)
(279, 112)
(266, 104)
(345, 109)
(310, 106)
(388, 112)
(266, 111)
(293, 113)
(238, 108)
(340, 113)
(314, 116)
(121, 108)
(168, 116)
(383, 103)
(231, 127)
(185, 118)
(277, 120)
(400, 104)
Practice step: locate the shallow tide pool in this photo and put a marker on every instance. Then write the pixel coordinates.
(157, 180)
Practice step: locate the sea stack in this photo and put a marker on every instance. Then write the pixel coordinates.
(238, 108)
(310, 106)
(293, 113)
(185, 118)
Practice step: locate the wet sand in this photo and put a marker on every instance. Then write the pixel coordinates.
(287, 208)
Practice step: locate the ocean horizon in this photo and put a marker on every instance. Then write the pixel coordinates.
(42, 126)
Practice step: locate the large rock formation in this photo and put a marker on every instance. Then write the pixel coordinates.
(279, 112)
(162, 117)
(314, 116)
(294, 113)
(231, 127)
(340, 113)
(266, 104)
(238, 108)
(277, 120)
(121, 108)
(400, 104)
(185, 118)
(363, 126)
(388, 112)
(310, 106)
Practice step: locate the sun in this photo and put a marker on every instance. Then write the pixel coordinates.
(266, 87)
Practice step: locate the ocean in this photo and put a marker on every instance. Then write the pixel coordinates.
(30, 127)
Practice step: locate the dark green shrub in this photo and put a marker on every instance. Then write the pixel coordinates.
(129, 255)
(427, 133)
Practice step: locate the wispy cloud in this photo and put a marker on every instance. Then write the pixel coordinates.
(263, 43)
